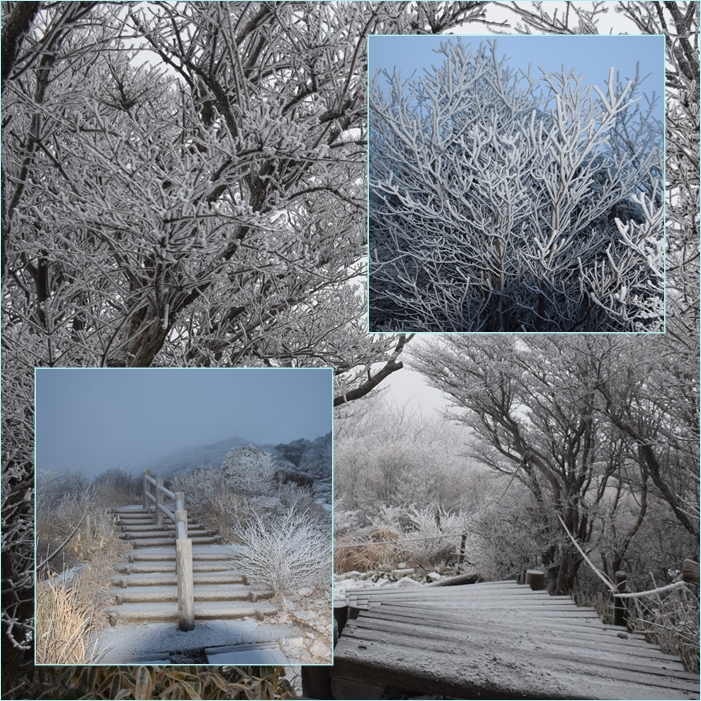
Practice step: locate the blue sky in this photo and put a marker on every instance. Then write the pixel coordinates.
(592, 55)
(95, 419)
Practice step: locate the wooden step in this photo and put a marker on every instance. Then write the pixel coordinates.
(204, 610)
(156, 579)
(154, 542)
(153, 527)
(140, 535)
(223, 592)
(169, 566)
(168, 555)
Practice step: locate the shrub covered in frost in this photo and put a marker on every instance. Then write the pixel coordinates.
(286, 552)
(506, 204)
(430, 536)
(249, 469)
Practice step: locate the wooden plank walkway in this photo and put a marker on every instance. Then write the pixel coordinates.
(496, 640)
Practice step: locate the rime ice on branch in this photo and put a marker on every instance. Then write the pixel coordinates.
(501, 201)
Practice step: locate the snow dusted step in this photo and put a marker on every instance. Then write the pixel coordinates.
(135, 520)
(146, 527)
(260, 654)
(203, 610)
(128, 510)
(169, 566)
(138, 527)
(150, 542)
(224, 592)
(157, 579)
(140, 535)
(198, 553)
(146, 591)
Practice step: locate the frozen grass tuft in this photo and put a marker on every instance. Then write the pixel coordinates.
(63, 620)
(285, 552)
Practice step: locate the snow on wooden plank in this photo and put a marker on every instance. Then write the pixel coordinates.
(499, 640)
(558, 655)
(560, 636)
(487, 675)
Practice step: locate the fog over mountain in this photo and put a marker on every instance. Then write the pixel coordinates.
(193, 457)
(310, 457)
(172, 419)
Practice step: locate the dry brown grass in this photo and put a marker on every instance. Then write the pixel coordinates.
(67, 612)
(111, 682)
(63, 621)
(380, 552)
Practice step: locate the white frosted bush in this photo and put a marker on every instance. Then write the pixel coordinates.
(433, 535)
(286, 552)
(294, 495)
(249, 469)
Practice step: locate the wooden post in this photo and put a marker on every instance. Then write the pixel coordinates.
(183, 566)
(159, 501)
(690, 572)
(181, 523)
(619, 606)
(179, 501)
(147, 501)
(535, 579)
(461, 556)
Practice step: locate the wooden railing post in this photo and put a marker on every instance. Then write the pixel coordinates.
(159, 501)
(183, 566)
(619, 605)
(690, 572)
(180, 523)
(535, 579)
(179, 501)
(147, 501)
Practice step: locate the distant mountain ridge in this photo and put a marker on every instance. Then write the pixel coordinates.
(193, 457)
(312, 458)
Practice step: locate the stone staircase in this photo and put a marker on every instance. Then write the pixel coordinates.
(146, 588)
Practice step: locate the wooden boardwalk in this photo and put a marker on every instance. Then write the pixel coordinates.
(496, 640)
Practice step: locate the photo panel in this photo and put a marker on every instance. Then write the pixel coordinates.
(184, 516)
(516, 184)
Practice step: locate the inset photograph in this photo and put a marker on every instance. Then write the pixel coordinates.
(516, 184)
(184, 516)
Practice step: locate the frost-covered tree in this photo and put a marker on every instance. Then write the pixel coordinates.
(589, 425)
(505, 202)
(202, 207)
(249, 469)
(286, 552)
(390, 456)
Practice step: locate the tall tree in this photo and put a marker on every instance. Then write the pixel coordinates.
(204, 207)
(641, 392)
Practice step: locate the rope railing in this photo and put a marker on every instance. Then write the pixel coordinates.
(183, 544)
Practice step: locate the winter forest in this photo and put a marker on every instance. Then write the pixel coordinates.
(184, 185)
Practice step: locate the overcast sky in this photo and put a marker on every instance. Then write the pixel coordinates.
(591, 55)
(95, 419)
